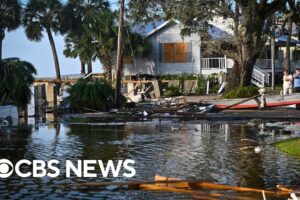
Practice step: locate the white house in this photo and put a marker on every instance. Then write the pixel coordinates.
(174, 54)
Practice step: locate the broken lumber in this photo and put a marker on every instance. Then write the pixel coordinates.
(240, 102)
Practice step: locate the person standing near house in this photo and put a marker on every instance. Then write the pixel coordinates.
(297, 80)
(287, 82)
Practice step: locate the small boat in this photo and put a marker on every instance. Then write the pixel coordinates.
(9, 113)
(253, 103)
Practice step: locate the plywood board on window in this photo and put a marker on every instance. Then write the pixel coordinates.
(169, 53)
(181, 52)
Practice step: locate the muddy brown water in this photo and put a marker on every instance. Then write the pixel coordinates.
(194, 150)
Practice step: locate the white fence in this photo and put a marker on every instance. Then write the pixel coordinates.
(279, 64)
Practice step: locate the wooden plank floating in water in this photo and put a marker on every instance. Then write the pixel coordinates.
(240, 102)
(165, 184)
(215, 186)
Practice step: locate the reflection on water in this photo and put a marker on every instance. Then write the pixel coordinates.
(196, 150)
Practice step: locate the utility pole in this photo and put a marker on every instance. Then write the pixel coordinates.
(119, 56)
(273, 51)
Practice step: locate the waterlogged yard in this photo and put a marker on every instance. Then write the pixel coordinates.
(210, 151)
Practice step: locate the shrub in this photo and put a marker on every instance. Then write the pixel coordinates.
(182, 77)
(202, 84)
(91, 94)
(242, 92)
(16, 77)
(172, 91)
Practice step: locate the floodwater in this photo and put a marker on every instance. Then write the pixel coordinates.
(191, 150)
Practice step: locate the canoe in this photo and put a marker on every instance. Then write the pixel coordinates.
(271, 101)
(9, 113)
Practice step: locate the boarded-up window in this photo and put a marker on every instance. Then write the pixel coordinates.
(175, 52)
(181, 52)
(169, 53)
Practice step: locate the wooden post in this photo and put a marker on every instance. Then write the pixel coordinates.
(207, 87)
(119, 57)
(273, 52)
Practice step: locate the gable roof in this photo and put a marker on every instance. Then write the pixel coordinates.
(161, 26)
(217, 28)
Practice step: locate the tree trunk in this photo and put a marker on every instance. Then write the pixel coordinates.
(119, 57)
(243, 66)
(2, 35)
(90, 67)
(106, 59)
(55, 57)
(241, 73)
(249, 44)
(82, 65)
(1, 48)
(107, 73)
(288, 46)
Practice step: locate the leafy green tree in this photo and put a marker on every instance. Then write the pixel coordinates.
(135, 45)
(10, 18)
(44, 15)
(105, 32)
(249, 20)
(93, 34)
(16, 77)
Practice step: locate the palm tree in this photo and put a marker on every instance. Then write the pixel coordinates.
(105, 33)
(44, 15)
(82, 47)
(10, 15)
(135, 44)
(79, 15)
(72, 49)
(16, 78)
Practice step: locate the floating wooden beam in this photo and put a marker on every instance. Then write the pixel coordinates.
(240, 102)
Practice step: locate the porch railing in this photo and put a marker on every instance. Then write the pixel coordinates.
(214, 63)
(279, 64)
(260, 77)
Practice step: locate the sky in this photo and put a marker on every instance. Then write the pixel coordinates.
(16, 44)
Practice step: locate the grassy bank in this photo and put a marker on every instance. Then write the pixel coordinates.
(289, 146)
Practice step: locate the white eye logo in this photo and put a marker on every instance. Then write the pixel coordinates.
(6, 168)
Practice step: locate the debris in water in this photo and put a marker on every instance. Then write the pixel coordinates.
(145, 114)
(174, 128)
(293, 196)
(257, 149)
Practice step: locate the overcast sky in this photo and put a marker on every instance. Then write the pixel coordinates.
(16, 44)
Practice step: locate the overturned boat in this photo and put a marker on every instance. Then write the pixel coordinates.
(258, 102)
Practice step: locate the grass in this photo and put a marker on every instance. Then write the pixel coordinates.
(277, 90)
(289, 146)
